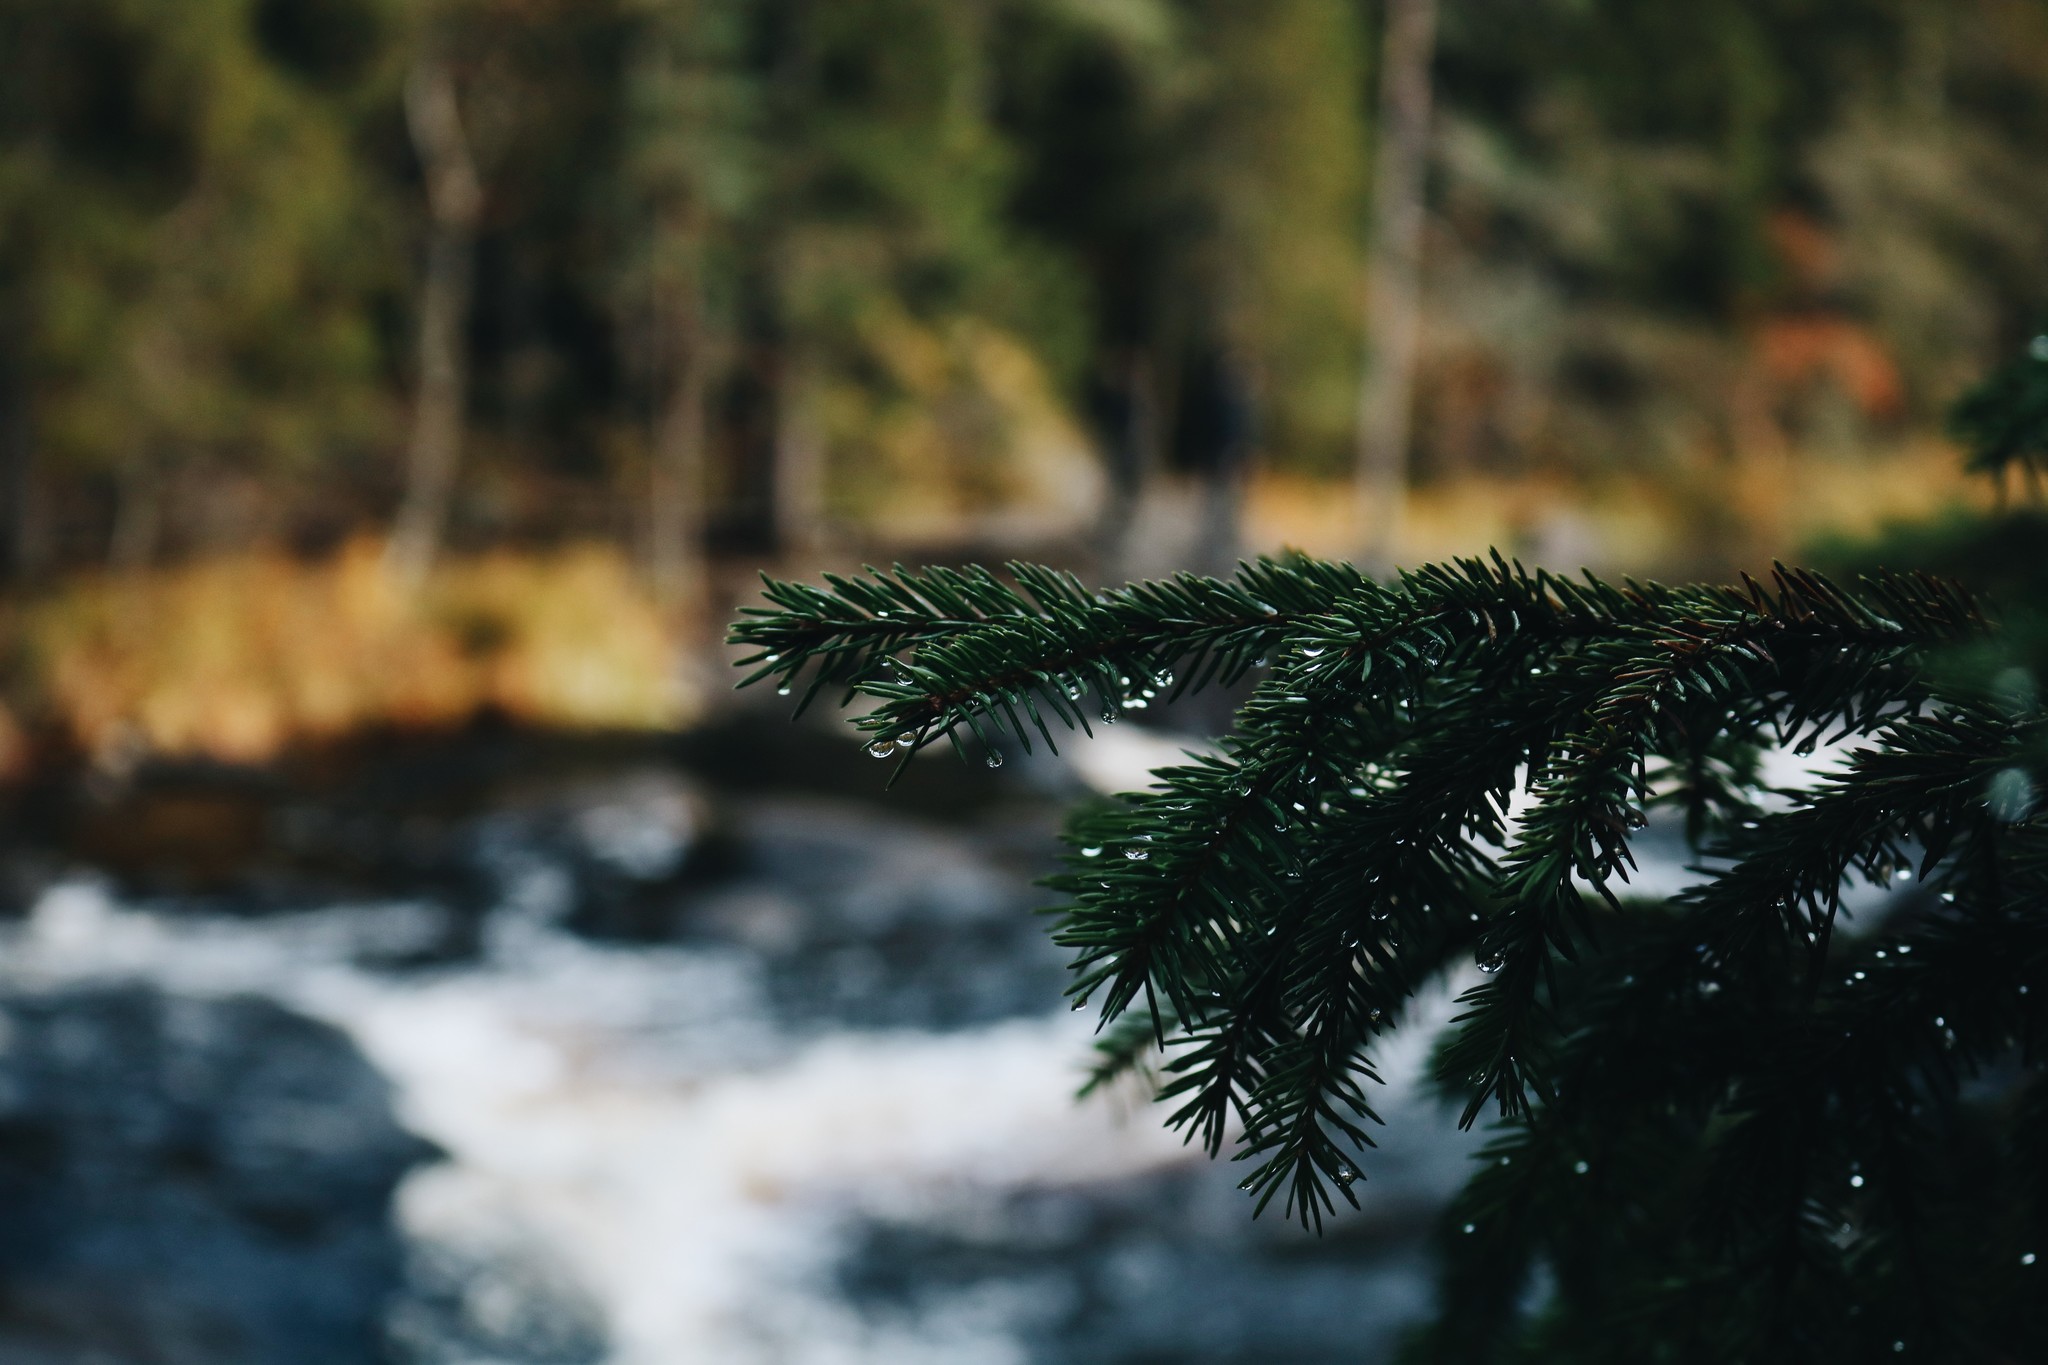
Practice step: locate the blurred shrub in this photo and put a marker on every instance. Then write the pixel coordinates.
(237, 657)
(1998, 557)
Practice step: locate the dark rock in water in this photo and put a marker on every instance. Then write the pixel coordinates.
(872, 921)
(511, 1305)
(1162, 1267)
(629, 844)
(187, 1180)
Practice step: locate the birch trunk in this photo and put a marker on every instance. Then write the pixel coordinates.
(1393, 312)
(454, 201)
(676, 486)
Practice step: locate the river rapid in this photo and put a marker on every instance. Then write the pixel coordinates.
(672, 1058)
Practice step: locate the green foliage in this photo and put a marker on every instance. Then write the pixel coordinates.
(1616, 228)
(1744, 1124)
(2004, 420)
(184, 223)
(934, 234)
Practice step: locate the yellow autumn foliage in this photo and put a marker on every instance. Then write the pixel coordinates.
(233, 658)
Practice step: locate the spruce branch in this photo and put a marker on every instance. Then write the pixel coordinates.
(1265, 912)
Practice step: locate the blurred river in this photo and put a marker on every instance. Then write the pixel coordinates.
(709, 1066)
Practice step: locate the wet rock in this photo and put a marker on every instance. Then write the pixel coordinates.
(1167, 1266)
(629, 843)
(511, 1305)
(188, 1180)
(875, 921)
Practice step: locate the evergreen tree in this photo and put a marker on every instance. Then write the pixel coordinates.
(1199, 165)
(691, 151)
(189, 245)
(1795, 1113)
(2005, 419)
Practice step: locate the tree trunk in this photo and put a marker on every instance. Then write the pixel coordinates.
(1124, 411)
(138, 517)
(677, 487)
(454, 201)
(1393, 313)
(799, 484)
(21, 533)
(1226, 413)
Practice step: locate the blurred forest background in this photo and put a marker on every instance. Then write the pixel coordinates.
(368, 362)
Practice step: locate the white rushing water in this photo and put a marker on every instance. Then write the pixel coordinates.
(638, 1116)
(722, 1152)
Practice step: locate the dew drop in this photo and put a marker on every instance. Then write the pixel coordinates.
(1492, 963)
(2038, 348)
(1581, 1167)
(1091, 852)
(995, 759)
(1109, 715)
(774, 659)
(1898, 1347)
(1469, 1229)
(782, 691)
(1137, 703)
(1904, 874)
(1503, 1161)
(882, 748)
(1948, 898)
(1861, 976)
(907, 740)
(1345, 1175)
(1905, 948)
(1311, 651)
(2027, 1259)
(1137, 855)
(1855, 1182)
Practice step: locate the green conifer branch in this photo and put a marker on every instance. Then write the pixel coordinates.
(2004, 420)
(1273, 906)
